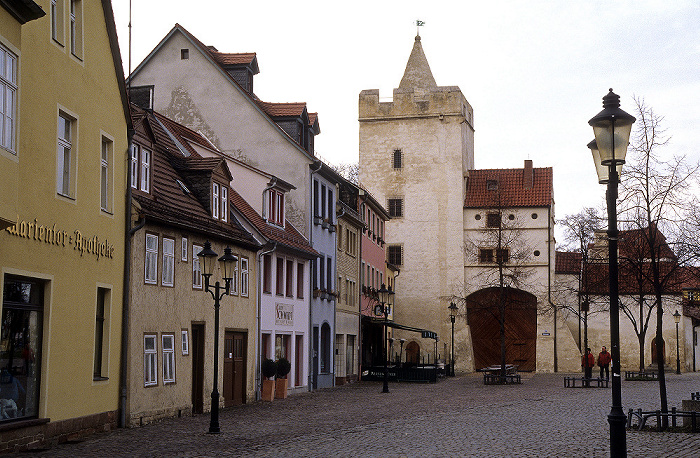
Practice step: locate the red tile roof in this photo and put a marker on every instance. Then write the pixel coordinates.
(510, 190)
(287, 236)
(282, 109)
(567, 262)
(224, 58)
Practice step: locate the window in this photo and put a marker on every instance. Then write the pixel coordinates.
(395, 254)
(300, 280)
(215, 202)
(105, 174)
(396, 208)
(76, 28)
(316, 207)
(145, 170)
(184, 249)
(329, 274)
(168, 262)
(8, 98)
(491, 185)
(168, 358)
(490, 255)
(134, 168)
(502, 256)
(325, 348)
(290, 278)
(323, 201)
(151, 264)
(101, 338)
(184, 54)
(196, 269)
(397, 159)
(65, 176)
(279, 279)
(244, 277)
(150, 360)
(185, 342)
(234, 279)
(57, 20)
(267, 274)
(321, 264)
(485, 255)
(331, 207)
(350, 355)
(224, 203)
(493, 220)
(275, 207)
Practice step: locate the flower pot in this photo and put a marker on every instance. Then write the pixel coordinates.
(281, 388)
(268, 390)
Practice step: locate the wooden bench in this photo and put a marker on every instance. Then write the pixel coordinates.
(571, 382)
(641, 376)
(642, 418)
(498, 379)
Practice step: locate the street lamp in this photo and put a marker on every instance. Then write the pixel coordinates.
(226, 262)
(386, 299)
(453, 314)
(677, 319)
(612, 128)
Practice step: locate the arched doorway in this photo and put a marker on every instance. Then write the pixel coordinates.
(520, 325)
(412, 353)
(654, 360)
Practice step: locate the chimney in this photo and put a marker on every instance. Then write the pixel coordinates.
(528, 174)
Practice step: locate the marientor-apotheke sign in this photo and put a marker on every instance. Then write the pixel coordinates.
(285, 314)
(53, 235)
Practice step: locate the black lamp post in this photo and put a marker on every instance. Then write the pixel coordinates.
(612, 128)
(677, 319)
(453, 315)
(386, 298)
(227, 261)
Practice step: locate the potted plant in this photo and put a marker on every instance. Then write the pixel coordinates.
(283, 368)
(269, 369)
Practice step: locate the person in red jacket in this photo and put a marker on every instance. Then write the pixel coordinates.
(604, 359)
(588, 361)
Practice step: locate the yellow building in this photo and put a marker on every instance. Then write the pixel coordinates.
(63, 153)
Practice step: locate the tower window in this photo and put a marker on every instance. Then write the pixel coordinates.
(396, 207)
(397, 159)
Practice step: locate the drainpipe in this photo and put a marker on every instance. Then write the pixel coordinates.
(318, 164)
(258, 361)
(549, 283)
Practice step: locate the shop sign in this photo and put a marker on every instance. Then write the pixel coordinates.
(52, 235)
(285, 314)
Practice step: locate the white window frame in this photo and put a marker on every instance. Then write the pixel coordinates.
(196, 268)
(224, 203)
(150, 360)
(185, 342)
(168, 277)
(185, 249)
(168, 351)
(76, 28)
(8, 99)
(145, 170)
(244, 277)
(151, 260)
(107, 147)
(134, 166)
(57, 21)
(215, 201)
(65, 156)
(234, 279)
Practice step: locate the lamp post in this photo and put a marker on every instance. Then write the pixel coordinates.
(453, 314)
(386, 298)
(677, 319)
(612, 128)
(226, 262)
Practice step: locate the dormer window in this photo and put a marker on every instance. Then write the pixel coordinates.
(140, 168)
(219, 202)
(491, 185)
(275, 207)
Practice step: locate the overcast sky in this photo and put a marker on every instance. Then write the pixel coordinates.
(535, 72)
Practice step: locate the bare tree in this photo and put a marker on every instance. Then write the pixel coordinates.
(657, 202)
(348, 170)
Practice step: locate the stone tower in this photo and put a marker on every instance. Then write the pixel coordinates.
(415, 152)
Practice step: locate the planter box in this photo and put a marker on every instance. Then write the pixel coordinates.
(281, 388)
(268, 390)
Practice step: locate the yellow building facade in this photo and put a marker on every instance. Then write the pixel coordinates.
(63, 174)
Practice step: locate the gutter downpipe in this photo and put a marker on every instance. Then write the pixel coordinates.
(313, 271)
(258, 362)
(549, 283)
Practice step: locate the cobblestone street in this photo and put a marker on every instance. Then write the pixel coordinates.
(455, 417)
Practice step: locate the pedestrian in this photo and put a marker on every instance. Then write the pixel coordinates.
(604, 359)
(588, 361)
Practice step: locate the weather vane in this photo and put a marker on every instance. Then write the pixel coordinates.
(419, 23)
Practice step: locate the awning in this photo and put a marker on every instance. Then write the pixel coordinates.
(425, 334)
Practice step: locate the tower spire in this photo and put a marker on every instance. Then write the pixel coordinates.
(417, 73)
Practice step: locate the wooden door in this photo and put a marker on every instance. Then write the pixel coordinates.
(234, 368)
(654, 359)
(197, 368)
(520, 327)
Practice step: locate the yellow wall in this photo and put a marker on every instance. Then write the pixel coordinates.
(51, 79)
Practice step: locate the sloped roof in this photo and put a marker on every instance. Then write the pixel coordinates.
(567, 262)
(634, 243)
(282, 109)
(417, 73)
(240, 58)
(287, 236)
(510, 191)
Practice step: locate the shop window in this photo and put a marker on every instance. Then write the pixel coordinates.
(101, 334)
